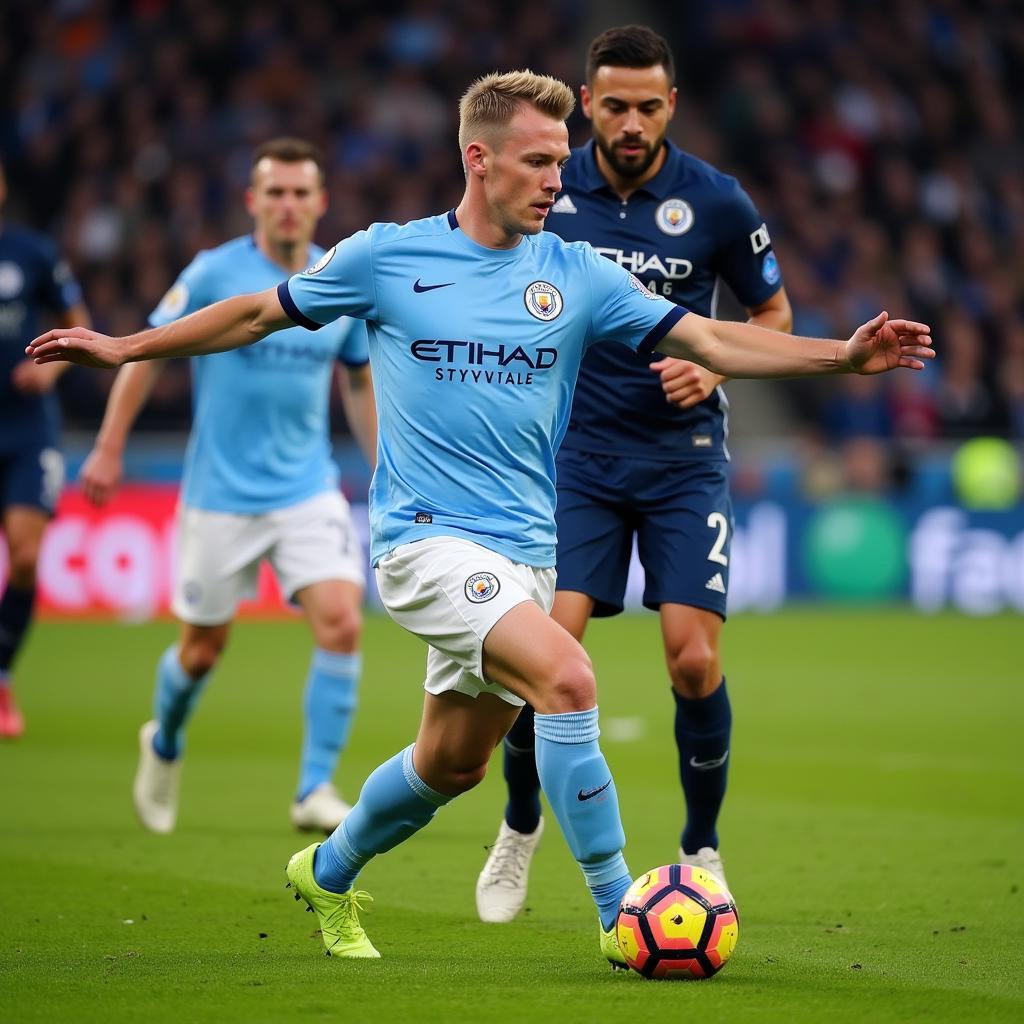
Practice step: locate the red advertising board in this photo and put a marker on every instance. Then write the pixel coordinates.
(119, 560)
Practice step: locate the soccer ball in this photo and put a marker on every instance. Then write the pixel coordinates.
(677, 921)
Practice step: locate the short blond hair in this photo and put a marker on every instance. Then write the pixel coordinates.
(492, 101)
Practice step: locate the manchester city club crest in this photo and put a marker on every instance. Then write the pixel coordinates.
(543, 301)
(481, 586)
(173, 304)
(674, 216)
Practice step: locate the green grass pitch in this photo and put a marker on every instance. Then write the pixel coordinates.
(874, 837)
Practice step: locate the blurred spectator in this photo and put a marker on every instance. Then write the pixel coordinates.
(128, 128)
(857, 408)
(967, 405)
(896, 181)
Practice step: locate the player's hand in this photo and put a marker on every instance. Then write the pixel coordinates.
(685, 384)
(883, 344)
(101, 476)
(31, 379)
(77, 345)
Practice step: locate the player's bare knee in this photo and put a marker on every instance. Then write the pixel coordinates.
(22, 573)
(453, 777)
(22, 568)
(693, 668)
(199, 655)
(464, 779)
(571, 686)
(339, 630)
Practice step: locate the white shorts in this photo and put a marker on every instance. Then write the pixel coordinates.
(219, 554)
(450, 593)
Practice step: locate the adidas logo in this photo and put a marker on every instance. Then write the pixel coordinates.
(716, 583)
(564, 204)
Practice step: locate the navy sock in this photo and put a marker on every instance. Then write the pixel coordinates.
(522, 812)
(703, 727)
(15, 616)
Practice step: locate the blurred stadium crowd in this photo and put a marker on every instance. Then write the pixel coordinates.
(885, 145)
(883, 142)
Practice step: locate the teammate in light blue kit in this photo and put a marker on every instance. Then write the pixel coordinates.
(259, 483)
(477, 325)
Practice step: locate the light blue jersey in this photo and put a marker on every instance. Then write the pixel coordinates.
(475, 353)
(260, 430)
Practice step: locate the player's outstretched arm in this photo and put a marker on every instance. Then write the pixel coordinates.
(686, 383)
(743, 350)
(229, 324)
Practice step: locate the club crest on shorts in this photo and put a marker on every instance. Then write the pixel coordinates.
(481, 586)
(322, 262)
(674, 216)
(543, 301)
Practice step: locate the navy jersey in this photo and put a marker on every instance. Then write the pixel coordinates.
(32, 279)
(679, 233)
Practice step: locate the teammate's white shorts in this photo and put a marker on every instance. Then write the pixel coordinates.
(219, 554)
(450, 593)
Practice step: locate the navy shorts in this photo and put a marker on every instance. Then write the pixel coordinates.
(31, 475)
(681, 516)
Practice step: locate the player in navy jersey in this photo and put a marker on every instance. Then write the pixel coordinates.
(259, 484)
(646, 457)
(478, 320)
(34, 281)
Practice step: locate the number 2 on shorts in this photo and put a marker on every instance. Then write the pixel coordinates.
(717, 521)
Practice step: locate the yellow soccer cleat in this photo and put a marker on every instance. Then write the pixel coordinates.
(338, 913)
(610, 948)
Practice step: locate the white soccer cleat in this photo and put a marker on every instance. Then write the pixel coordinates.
(157, 780)
(708, 858)
(501, 887)
(322, 810)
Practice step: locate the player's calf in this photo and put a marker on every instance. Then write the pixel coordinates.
(579, 787)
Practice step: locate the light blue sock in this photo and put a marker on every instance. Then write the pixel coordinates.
(175, 696)
(394, 803)
(578, 784)
(329, 705)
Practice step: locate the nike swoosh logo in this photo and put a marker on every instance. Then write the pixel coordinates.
(706, 766)
(589, 794)
(417, 287)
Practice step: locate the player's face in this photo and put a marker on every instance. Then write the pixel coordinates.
(523, 172)
(630, 109)
(286, 200)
